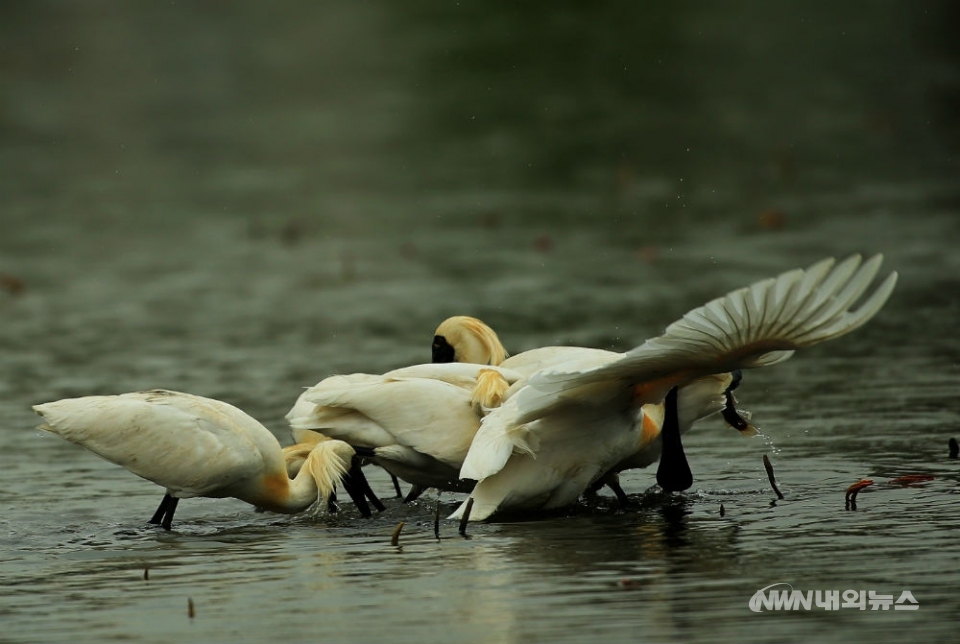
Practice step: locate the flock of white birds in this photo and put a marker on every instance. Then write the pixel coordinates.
(526, 432)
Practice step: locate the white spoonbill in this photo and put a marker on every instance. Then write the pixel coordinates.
(465, 339)
(575, 421)
(195, 446)
(416, 422)
(372, 412)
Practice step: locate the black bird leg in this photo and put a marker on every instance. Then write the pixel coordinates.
(366, 489)
(465, 519)
(369, 455)
(396, 486)
(356, 485)
(613, 482)
(674, 473)
(414, 493)
(164, 514)
(332, 506)
(161, 509)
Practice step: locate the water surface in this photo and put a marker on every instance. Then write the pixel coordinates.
(239, 200)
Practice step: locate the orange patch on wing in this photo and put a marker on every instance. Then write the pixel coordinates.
(653, 391)
(650, 428)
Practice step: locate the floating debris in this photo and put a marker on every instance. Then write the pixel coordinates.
(910, 479)
(853, 490)
(191, 613)
(395, 537)
(954, 448)
(466, 517)
(408, 250)
(490, 220)
(292, 231)
(773, 481)
(785, 165)
(856, 487)
(626, 175)
(11, 283)
(543, 244)
(772, 219)
(648, 254)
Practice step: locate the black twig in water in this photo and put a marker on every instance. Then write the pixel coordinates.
(436, 520)
(773, 480)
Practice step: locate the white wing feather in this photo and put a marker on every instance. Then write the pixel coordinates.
(428, 415)
(182, 442)
(799, 309)
(756, 326)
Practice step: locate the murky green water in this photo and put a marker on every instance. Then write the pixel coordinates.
(239, 200)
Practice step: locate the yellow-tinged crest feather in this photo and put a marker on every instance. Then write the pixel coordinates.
(490, 389)
(472, 340)
(327, 463)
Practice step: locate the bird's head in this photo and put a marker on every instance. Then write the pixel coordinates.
(466, 339)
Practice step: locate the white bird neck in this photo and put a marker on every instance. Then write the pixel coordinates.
(324, 466)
